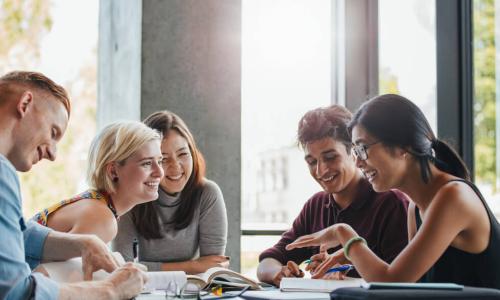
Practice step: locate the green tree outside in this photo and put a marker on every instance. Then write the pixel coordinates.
(388, 82)
(24, 25)
(484, 92)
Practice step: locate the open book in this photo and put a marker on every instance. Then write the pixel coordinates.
(71, 271)
(317, 285)
(223, 277)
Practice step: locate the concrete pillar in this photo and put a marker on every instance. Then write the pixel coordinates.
(354, 52)
(190, 63)
(119, 61)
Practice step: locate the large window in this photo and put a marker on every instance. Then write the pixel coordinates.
(285, 72)
(59, 39)
(407, 52)
(486, 100)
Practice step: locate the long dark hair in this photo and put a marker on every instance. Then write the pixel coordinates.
(398, 122)
(144, 215)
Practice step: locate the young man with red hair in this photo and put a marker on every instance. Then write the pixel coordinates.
(34, 113)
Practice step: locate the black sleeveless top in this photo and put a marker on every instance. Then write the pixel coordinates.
(457, 266)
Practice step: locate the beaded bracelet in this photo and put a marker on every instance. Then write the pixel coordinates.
(349, 243)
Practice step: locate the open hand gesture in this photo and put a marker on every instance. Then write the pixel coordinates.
(325, 238)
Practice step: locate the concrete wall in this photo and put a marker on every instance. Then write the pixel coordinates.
(190, 63)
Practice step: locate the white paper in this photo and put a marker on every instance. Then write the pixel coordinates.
(317, 285)
(71, 271)
(161, 280)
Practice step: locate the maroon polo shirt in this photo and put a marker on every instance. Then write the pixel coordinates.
(380, 218)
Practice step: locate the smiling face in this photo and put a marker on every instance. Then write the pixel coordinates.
(384, 168)
(38, 131)
(330, 164)
(140, 175)
(177, 162)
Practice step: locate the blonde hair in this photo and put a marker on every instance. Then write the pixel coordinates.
(115, 143)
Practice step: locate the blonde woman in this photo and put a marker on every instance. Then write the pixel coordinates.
(124, 169)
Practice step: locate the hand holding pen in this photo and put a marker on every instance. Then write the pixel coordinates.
(135, 252)
(315, 261)
(338, 272)
(322, 264)
(341, 268)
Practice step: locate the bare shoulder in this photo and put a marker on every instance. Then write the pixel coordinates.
(91, 208)
(456, 199)
(64, 218)
(457, 193)
(94, 217)
(457, 202)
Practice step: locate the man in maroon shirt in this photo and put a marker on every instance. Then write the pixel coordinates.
(348, 197)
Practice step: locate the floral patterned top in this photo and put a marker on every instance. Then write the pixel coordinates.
(43, 216)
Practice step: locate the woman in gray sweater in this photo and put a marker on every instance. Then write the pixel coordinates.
(186, 227)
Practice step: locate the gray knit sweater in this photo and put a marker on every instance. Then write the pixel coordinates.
(206, 235)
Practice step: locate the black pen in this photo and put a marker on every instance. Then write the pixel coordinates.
(135, 250)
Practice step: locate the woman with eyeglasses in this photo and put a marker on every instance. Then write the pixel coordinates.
(454, 236)
(347, 197)
(185, 229)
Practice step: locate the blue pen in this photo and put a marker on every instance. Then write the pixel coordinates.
(341, 268)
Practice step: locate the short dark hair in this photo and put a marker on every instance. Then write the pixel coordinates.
(324, 122)
(398, 122)
(38, 81)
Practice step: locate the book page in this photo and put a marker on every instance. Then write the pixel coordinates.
(207, 276)
(196, 279)
(317, 285)
(229, 275)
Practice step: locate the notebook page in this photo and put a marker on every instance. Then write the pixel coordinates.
(317, 285)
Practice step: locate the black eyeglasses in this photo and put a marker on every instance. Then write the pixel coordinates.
(360, 150)
(193, 291)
